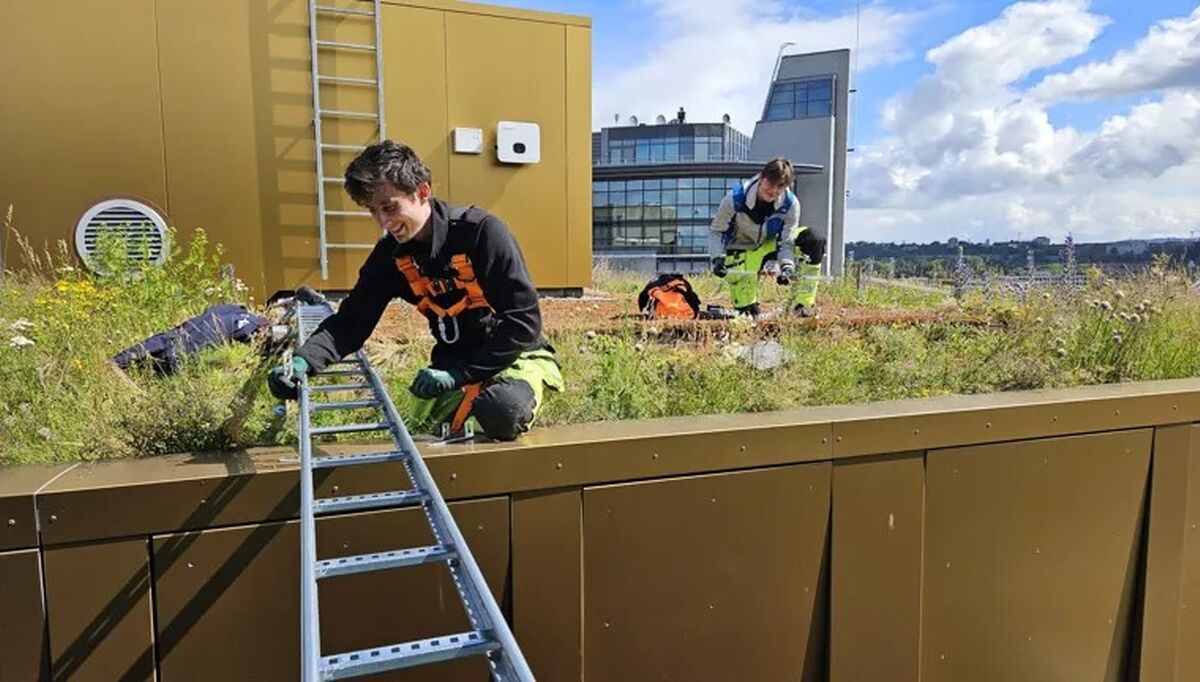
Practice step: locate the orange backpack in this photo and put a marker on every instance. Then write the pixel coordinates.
(670, 297)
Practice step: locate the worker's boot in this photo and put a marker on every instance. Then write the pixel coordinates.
(753, 311)
(804, 311)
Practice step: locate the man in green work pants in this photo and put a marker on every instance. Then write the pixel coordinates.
(758, 221)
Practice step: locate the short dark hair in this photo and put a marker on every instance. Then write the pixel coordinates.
(387, 161)
(778, 171)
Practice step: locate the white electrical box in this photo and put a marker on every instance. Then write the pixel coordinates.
(518, 142)
(468, 141)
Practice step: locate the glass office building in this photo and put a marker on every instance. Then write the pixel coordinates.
(655, 189)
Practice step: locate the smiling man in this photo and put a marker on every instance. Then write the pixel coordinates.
(463, 270)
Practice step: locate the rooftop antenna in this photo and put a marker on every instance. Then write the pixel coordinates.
(725, 119)
(660, 119)
(633, 120)
(617, 119)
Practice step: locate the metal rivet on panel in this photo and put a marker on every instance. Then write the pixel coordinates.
(987, 425)
(655, 455)
(916, 432)
(12, 522)
(824, 441)
(337, 488)
(743, 448)
(453, 477)
(53, 518)
(558, 466)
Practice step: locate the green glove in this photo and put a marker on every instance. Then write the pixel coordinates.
(431, 383)
(282, 386)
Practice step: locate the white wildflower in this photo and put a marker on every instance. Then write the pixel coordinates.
(20, 341)
(22, 325)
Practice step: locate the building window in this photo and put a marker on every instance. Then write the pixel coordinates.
(800, 99)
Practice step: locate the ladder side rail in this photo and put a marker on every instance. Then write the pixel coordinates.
(310, 628)
(379, 69)
(478, 601)
(316, 93)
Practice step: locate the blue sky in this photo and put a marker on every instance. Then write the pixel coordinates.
(1075, 154)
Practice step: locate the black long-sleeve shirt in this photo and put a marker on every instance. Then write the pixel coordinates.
(489, 340)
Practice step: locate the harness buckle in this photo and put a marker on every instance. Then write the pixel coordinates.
(441, 325)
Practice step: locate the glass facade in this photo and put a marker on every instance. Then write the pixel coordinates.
(670, 143)
(666, 215)
(798, 99)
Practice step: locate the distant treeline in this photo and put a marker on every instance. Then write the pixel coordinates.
(938, 259)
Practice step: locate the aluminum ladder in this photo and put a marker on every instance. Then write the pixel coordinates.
(490, 635)
(317, 45)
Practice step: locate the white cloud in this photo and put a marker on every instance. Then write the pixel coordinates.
(973, 153)
(715, 57)
(1168, 57)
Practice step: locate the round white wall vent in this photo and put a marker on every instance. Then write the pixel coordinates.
(132, 220)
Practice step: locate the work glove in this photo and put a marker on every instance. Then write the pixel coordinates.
(285, 387)
(431, 383)
(718, 266)
(786, 274)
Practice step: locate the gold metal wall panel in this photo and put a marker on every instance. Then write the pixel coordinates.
(503, 70)
(1161, 643)
(180, 492)
(18, 518)
(1031, 551)
(224, 108)
(880, 428)
(496, 11)
(547, 548)
(23, 652)
(98, 599)
(1189, 597)
(707, 578)
(579, 156)
(588, 454)
(73, 100)
(875, 608)
(420, 122)
(237, 591)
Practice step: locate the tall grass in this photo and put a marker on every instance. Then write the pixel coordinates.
(60, 398)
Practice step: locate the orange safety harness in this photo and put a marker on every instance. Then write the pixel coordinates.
(426, 288)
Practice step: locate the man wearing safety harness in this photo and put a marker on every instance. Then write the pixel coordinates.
(759, 220)
(462, 269)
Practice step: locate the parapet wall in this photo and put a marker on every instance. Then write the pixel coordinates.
(1037, 535)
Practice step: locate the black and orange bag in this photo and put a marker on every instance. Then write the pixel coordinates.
(669, 297)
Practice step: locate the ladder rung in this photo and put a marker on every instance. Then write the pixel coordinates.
(349, 213)
(332, 180)
(338, 113)
(401, 498)
(343, 10)
(340, 373)
(335, 45)
(344, 147)
(382, 561)
(330, 388)
(349, 246)
(330, 461)
(347, 405)
(405, 655)
(347, 80)
(350, 428)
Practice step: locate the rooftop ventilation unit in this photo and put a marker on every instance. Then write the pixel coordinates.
(660, 119)
(143, 229)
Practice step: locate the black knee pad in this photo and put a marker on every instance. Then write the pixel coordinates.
(504, 408)
(811, 245)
